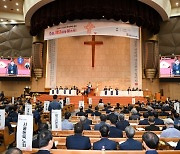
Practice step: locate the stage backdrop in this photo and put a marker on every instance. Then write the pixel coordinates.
(116, 62)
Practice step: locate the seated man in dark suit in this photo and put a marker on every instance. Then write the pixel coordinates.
(77, 141)
(134, 115)
(152, 126)
(42, 127)
(125, 110)
(122, 124)
(103, 119)
(86, 126)
(150, 142)
(88, 121)
(13, 114)
(80, 113)
(96, 113)
(114, 131)
(157, 120)
(106, 109)
(145, 121)
(89, 110)
(104, 143)
(163, 113)
(111, 114)
(45, 142)
(130, 143)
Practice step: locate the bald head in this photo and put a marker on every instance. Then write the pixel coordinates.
(14, 151)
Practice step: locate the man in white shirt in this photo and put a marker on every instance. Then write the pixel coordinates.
(170, 131)
(66, 125)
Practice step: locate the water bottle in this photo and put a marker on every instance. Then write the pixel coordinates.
(103, 148)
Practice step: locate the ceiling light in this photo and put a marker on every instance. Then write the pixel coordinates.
(5, 6)
(5, 23)
(4, 0)
(177, 4)
(17, 9)
(13, 22)
(2, 20)
(17, 4)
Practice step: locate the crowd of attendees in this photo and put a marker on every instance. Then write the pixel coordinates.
(118, 123)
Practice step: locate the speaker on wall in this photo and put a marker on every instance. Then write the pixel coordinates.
(37, 59)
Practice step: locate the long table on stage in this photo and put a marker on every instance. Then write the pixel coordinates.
(63, 92)
(120, 93)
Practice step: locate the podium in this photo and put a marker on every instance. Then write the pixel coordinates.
(158, 96)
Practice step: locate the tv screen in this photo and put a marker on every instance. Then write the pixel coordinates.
(15, 67)
(169, 67)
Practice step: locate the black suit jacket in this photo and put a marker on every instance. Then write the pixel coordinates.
(108, 144)
(78, 142)
(158, 121)
(115, 132)
(131, 144)
(96, 113)
(80, 113)
(144, 122)
(122, 124)
(152, 128)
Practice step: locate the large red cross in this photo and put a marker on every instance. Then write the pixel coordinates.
(93, 43)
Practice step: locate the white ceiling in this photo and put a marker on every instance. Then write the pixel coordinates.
(11, 11)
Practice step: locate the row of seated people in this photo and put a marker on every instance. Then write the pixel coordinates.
(141, 106)
(134, 115)
(118, 125)
(79, 142)
(12, 111)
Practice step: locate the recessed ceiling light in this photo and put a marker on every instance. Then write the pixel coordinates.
(17, 4)
(4, 0)
(2, 20)
(177, 4)
(5, 6)
(17, 9)
(4, 23)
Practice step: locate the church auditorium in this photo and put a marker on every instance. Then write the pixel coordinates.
(89, 76)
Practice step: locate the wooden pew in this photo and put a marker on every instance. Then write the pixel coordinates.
(64, 151)
(6, 138)
(65, 133)
(61, 141)
(143, 126)
(93, 133)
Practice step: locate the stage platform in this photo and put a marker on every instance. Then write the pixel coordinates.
(95, 99)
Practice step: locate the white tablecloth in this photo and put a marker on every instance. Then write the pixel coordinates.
(122, 93)
(63, 92)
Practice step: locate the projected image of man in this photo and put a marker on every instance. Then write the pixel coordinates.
(12, 68)
(176, 67)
